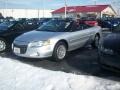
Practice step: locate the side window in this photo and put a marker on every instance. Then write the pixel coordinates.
(18, 27)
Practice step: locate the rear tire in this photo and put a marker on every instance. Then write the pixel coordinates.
(96, 41)
(60, 52)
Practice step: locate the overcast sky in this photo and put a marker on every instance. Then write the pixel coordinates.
(51, 4)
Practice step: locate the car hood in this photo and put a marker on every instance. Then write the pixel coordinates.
(112, 41)
(37, 36)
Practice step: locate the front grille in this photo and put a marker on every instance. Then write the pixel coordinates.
(23, 48)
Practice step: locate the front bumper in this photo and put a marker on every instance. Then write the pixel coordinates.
(36, 52)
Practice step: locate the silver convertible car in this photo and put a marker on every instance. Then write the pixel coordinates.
(55, 38)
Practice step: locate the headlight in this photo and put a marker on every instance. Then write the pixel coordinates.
(115, 25)
(39, 43)
(106, 51)
(109, 22)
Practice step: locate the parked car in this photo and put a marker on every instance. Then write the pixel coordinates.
(90, 21)
(9, 30)
(110, 24)
(56, 38)
(32, 24)
(43, 20)
(109, 51)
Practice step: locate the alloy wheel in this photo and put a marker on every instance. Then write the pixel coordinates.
(61, 52)
(2, 45)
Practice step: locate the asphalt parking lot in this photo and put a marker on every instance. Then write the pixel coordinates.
(82, 62)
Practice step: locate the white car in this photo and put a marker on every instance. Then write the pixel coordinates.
(55, 38)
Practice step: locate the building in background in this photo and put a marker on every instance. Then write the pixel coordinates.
(97, 11)
(26, 13)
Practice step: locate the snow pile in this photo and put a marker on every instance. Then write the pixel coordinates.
(15, 75)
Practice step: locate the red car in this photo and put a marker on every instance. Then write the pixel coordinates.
(91, 22)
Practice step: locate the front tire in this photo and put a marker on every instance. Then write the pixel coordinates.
(60, 52)
(3, 45)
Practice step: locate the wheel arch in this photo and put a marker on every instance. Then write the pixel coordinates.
(3, 37)
(98, 34)
(65, 41)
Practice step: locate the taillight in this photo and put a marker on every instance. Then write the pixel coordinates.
(96, 24)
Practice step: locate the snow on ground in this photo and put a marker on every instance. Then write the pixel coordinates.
(15, 75)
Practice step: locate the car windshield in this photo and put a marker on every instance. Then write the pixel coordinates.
(56, 26)
(6, 25)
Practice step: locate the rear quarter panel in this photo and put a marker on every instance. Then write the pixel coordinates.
(96, 30)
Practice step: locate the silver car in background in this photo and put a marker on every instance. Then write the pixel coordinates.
(55, 38)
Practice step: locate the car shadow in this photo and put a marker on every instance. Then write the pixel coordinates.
(83, 61)
(86, 61)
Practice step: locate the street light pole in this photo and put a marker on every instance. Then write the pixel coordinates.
(65, 8)
(6, 7)
(43, 7)
(38, 14)
(95, 1)
(118, 12)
